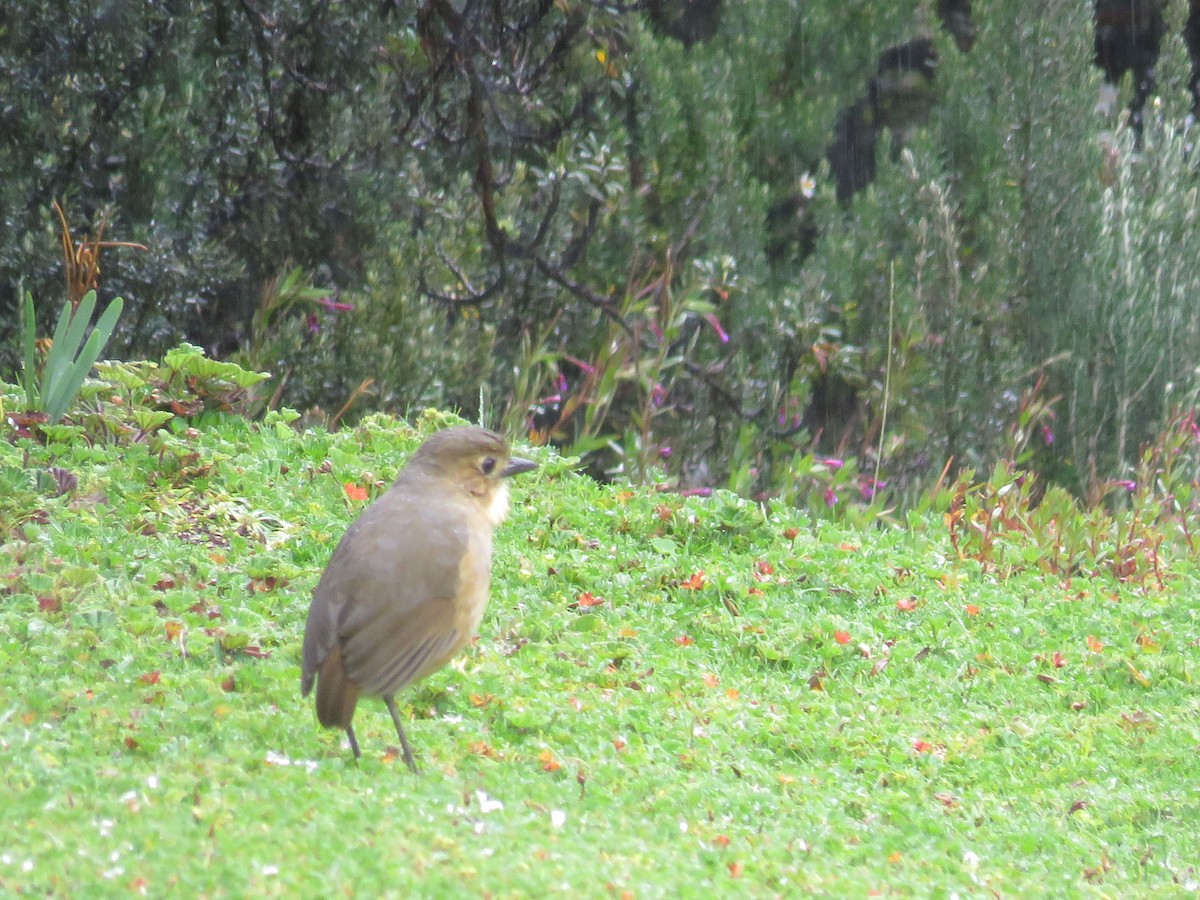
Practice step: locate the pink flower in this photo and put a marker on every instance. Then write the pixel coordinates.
(1130, 486)
(833, 463)
(831, 497)
(868, 486)
(1047, 435)
(722, 334)
(334, 306)
(664, 452)
(696, 492)
(658, 394)
(312, 322)
(586, 368)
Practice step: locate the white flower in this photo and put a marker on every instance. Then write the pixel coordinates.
(487, 804)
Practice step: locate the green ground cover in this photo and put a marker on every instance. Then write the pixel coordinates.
(670, 696)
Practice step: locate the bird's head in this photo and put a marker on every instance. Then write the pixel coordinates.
(474, 460)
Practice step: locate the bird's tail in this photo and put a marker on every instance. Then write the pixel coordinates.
(337, 695)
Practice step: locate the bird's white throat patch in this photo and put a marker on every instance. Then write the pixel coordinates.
(498, 509)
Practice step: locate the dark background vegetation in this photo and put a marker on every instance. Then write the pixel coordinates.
(720, 241)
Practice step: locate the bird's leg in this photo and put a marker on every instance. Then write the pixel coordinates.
(353, 742)
(408, 757)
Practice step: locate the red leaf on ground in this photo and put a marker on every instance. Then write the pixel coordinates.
(587, 599)
(684, 640)
(842, 637)
(151, 677)
(906, 605)
(354, 492)
(693, 582)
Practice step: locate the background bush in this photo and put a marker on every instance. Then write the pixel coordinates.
(603, 215)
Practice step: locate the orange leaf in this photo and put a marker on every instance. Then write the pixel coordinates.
(906, 605)
(1093, 644)
(684, 640)
(549, 763)
(972, 609)
(354, 492)
(693, 582)
(711, 680)
(587, 599)
(922, 746)
(173, 629)
(481, 748)
(736, 869)
(895, 857)
(842, 637)
(151, 677)
(721, 841)
(947, 800)
(732, 693)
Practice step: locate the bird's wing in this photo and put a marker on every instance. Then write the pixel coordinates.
(387, 593)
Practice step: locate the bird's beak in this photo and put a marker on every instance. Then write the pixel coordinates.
(517, 465)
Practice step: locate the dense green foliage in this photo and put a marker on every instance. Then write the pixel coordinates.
(611, 205)
(670, 696)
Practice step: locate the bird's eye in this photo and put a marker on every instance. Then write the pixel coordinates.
(488, 465)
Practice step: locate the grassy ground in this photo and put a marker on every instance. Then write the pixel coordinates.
(670, 697)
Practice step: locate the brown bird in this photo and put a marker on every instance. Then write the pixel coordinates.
(406, 588)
